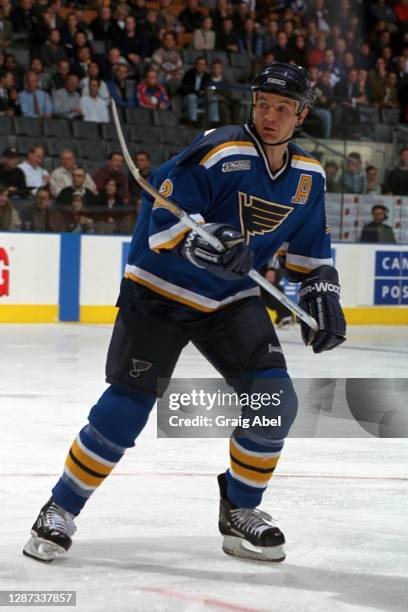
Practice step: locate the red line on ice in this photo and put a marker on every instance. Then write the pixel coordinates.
(207, 601)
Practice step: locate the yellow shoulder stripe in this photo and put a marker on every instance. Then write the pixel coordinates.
(309, 160)
(231, 143)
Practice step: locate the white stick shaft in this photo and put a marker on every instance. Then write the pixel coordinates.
(212, 240)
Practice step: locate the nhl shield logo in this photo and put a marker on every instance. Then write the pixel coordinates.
(139, 366)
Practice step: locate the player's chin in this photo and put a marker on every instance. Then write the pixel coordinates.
(271, 136)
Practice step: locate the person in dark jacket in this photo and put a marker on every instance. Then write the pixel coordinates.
(65, 196)
(11, 176)
(193, 90)
(377, 230)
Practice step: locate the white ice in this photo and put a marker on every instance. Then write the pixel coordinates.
(148, 539)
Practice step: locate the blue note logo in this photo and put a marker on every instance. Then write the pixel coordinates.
(139, 366)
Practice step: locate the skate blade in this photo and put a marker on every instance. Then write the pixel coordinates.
(238, 547)
(42, 550)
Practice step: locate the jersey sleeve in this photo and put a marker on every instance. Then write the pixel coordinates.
(190, 189)
(309, 247)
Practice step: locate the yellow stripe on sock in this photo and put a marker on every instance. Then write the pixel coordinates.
(267, 462)
(90, 463)
(91, 481)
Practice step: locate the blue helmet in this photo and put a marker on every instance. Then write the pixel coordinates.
(286, 80)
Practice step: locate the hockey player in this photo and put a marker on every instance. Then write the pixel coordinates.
(258, 193)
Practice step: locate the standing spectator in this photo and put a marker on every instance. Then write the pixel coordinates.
(34, 102)
(191, 17)
(11, 176)
(109, 197)
(67, 101)
(9, 217)
(144, 164)
(113, 170)
(61, 177)
(354, 178)
(204, 37)
(6, 31)
(65, 196)
(57, 80)
(39, 217)
(94, 73)
(102, 26)
(227, 39)
(151, 93)
(168, 63)
(8, 95)
(93, 108)
(377, 82)
(373, 186)
(193, 89)
(53, 51)
(35, 175)
(250, 41)
(396, 182)
(121, 89)
(324, 102)
(332, 184)
(378, 231)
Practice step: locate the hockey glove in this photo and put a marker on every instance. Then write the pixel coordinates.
(234, 263)
(320, 297)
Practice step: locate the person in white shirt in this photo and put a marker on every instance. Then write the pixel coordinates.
(35, 175)
(92, 106)
(94, 72)
(61, 177)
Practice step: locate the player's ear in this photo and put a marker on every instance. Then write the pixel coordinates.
(302, 116)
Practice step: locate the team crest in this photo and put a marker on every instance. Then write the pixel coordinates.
(260, 216)
(139, 366)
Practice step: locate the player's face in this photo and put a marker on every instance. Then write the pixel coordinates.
(275, 117)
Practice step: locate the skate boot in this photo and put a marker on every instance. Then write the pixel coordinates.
(51, 533)
(248, 532)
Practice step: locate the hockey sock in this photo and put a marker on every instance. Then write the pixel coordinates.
(114, 423)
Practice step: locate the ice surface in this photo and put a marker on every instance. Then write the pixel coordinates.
(148, 539)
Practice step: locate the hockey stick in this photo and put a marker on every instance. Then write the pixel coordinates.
(212, 240)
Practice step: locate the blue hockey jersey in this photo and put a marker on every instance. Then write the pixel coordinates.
(224, 177)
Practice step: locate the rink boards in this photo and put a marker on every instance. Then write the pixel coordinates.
(69, 277)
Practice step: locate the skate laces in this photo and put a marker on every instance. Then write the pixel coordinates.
(253, 520)
(59, 519)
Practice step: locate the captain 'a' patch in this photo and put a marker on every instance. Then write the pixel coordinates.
(260, 216)
(303, 189)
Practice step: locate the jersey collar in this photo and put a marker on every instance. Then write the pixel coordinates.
(265, 159)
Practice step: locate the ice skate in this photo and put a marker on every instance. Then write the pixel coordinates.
(248, 532)
(51, 533)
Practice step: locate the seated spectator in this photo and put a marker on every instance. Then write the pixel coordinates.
(37, 66)
(390, 99)
(39, 216)
(241, 13)
(282, 49)
(270, 38)
(250, 41)
(321, 15)
(139, 11)
(380, 11)
(10, 63)
(121, 89)
(191, 17)
(166, 60)
(363, 88)
(113, 58)
(61, 177)
(8, 95)
(165, 18)
(332, 64)
(151, 93)
(298, 53)
(109, 197)
(193, 90)
(222, 11)
(35, 175)
(354, 179)
(345, 94)
(332, 184)
(67, 101)
(65, 196)
(6, 31)
(11, 176)
(94, 73)
(324, 102)
(401, 11)
(113, 170)
(373, 186)
(204, 37)
(144, 164)
(53, 51)
(74, 217)
(24, 18)
(81, 41)
(134, 45)
(9, 217)
(227, 39)
(365, 57)
(68, 34)
(57, 80)
(102, 26)
(93, 108)
(396, 182)
(34, 102)
(82, 63)
(378, 231)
